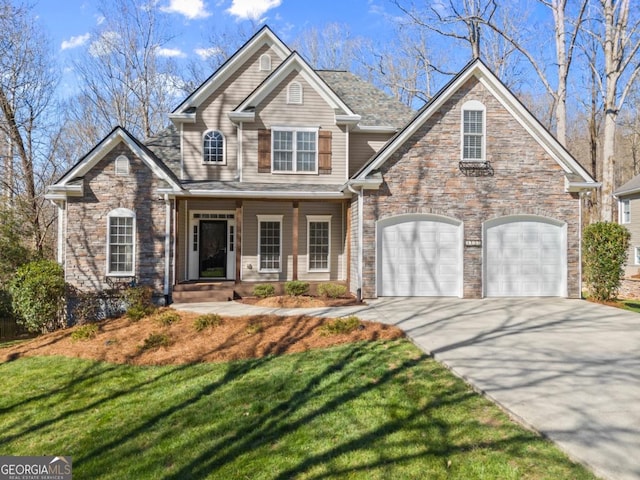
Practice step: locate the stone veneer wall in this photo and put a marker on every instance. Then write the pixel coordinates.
(423, 177)
(86, 233)
(629, 288)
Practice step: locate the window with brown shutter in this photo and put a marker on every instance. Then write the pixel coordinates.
(264, 151)
(324, 151)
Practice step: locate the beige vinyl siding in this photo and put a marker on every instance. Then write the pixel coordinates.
(353, 277)
(275, 112)
(336, 246)
(632, 268)
(362, 146)
(213, 115)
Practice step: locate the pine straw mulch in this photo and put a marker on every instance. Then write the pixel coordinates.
(120, 340)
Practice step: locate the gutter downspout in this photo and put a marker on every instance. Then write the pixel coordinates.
(360, 236)
(167, 247)
(581, 195)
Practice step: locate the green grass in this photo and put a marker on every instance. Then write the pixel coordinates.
(377, 410)
(632, 305)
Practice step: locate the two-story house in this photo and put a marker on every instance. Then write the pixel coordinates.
(274, 171)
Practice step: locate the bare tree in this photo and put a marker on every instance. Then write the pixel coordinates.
(331, 48)
(27, 84)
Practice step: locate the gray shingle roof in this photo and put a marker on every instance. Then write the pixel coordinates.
(632, 186)
(166, 146)
(284, 188)
(376, 107)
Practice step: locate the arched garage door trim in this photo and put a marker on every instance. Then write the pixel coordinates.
(542, 246)
(426, 237)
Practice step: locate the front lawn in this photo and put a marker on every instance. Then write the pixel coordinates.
(369, 410)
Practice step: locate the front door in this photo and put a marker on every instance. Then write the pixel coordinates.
(213, 249)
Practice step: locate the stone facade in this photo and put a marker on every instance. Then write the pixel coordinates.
(86, 239)
(423, 176)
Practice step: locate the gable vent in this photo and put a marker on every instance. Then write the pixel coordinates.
(294, 93)
(265, 62)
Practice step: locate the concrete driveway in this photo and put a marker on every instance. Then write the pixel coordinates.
(569, 369)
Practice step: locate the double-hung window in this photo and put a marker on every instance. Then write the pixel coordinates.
(318, 242)
(270, 243)
(625, 211)
(295, 150)
(473, 132)
(121, 227)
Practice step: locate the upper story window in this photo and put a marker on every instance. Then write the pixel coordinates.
(122, 165)
(625, 211)
(473, 131)
(295, 150)
(213, 147)
(121, 228)
(294, 93)
(265, 62)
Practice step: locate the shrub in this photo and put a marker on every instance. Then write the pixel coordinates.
(604, 247)
(254, 327)
(85, 307)
(264, 290)
(295, 288)
(139, 303)
(340, 326)
(331, 290)
(37, 291)
(6, 312)
(207, 321)
(85, 332)
(154, 341)
(168, 317)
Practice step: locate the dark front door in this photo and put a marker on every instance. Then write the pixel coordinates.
(213, 249)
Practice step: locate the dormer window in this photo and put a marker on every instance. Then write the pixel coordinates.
(213, 147)
(473, 132)
(122, 165)
(294, 93)
(265, 62)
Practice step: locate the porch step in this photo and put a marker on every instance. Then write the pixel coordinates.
(202, 292)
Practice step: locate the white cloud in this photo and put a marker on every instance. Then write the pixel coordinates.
(205, 53)
(74, 42)
(171, 52)
(105, 44)
(191, 9)
(251, 9)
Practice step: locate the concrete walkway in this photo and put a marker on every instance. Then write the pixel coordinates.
(569, 369)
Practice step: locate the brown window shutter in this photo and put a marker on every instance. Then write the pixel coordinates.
(324, 151)
(264, 151)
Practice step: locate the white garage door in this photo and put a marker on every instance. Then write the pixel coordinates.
(419, 256)
(525, 256)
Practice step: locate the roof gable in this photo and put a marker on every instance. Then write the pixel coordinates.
(264, 36)
(508, 100)
(114, 138)
(295, 63)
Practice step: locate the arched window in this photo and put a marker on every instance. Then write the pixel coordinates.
(121, 235)
(213, 147)
(265, 62)
(294, 93)
(122, 165)
(473, 132)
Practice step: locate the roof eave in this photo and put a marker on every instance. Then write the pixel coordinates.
(178, 118)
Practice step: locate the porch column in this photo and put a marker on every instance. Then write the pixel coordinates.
(238, 240)
(296, 212)
(348, 241)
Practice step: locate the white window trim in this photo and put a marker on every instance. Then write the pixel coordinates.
(621, 209)
(293, 100)
(294, 145)
(636, 255)
(318, 218)
(265, 58)
(476, 106)
(119, 213)
(270, 218)
(224, 148)
(122, 161)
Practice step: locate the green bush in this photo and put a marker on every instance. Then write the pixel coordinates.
(6, 311)
(604, 252)
(85, 332)
(13, 253)
(206, 321)
(295, 288)
(340, 326)
(85, 307)
(331, 290)
(254, 327)
(37, 291)
(155, 340)
(139, 302)
(264, 290)
(168, 317)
